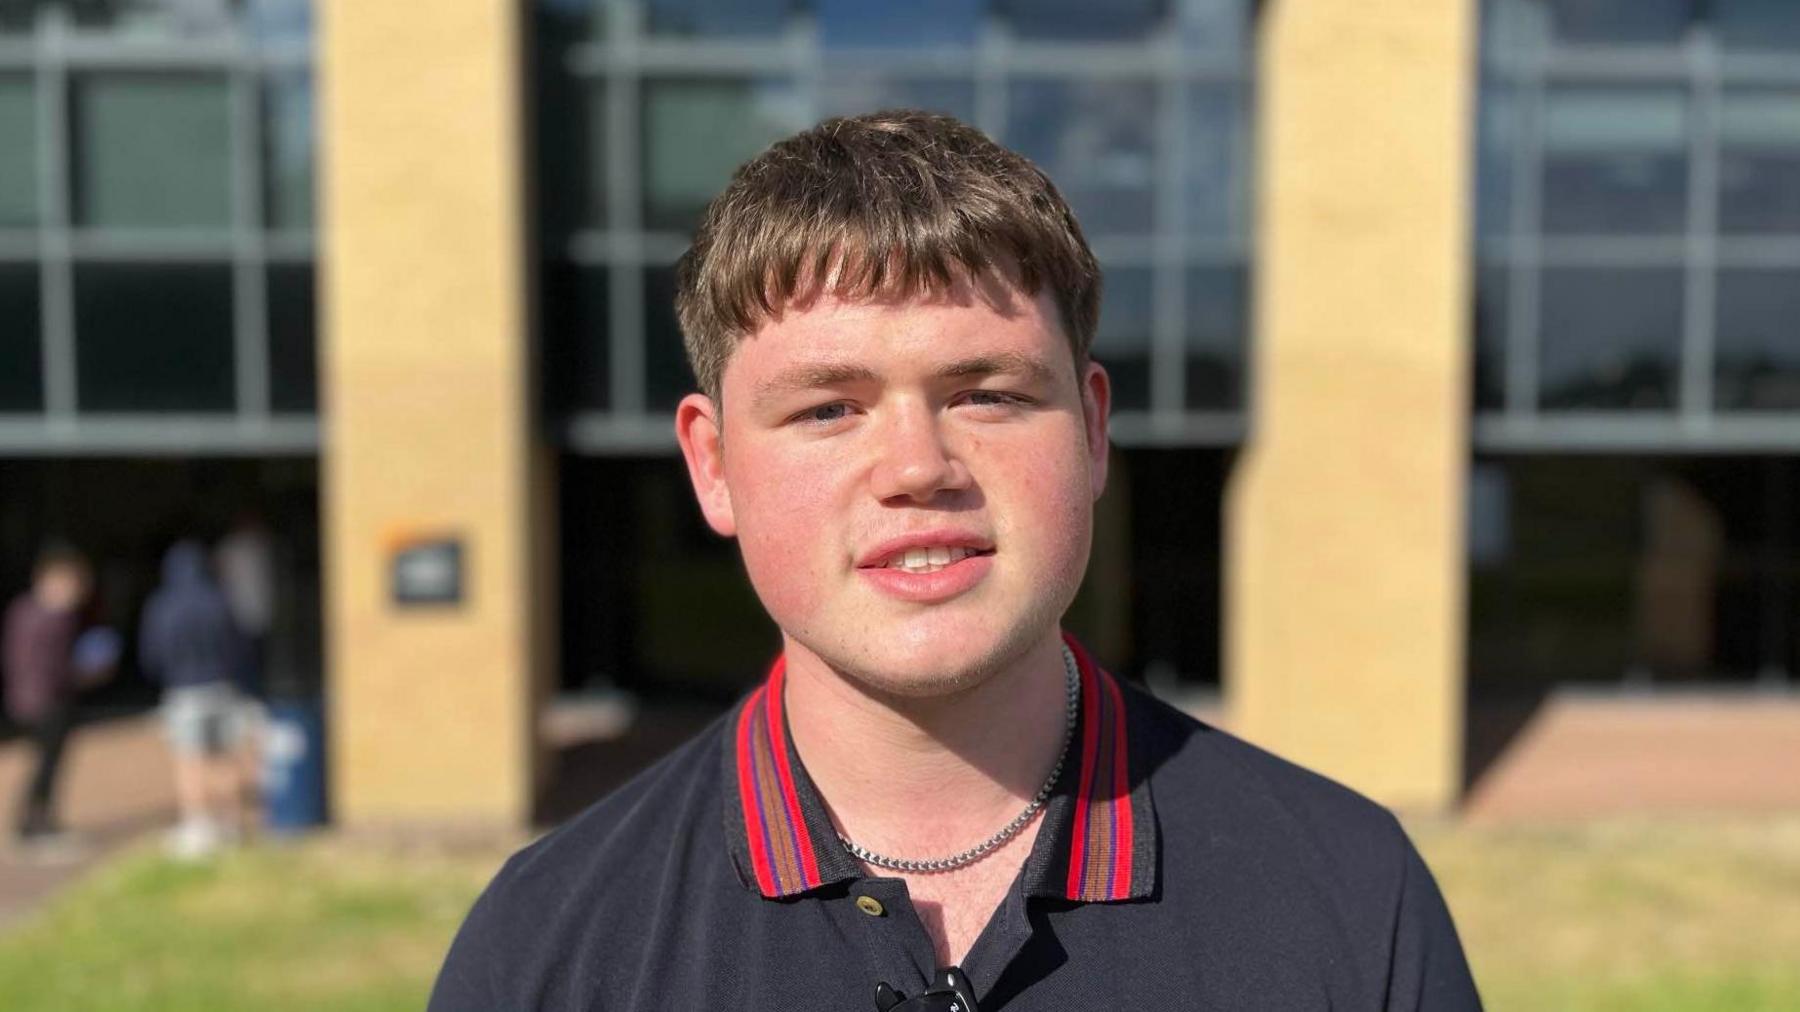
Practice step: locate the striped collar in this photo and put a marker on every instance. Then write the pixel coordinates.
(1098, 841)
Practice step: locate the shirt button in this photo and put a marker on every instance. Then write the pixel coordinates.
(870, 905)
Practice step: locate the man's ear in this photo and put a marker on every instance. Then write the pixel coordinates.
(699, 430)
(1096, 406)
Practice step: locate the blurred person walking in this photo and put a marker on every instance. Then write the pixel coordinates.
(42, 678)
(245, 562)
(189, 642)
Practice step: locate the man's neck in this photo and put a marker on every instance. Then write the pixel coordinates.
(925, 778)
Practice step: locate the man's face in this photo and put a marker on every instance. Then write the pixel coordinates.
(911, 481)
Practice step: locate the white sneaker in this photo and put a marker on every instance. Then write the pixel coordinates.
(193, 840)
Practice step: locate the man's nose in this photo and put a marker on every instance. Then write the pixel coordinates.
(916, 462)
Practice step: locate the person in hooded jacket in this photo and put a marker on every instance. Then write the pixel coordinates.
(189, 643)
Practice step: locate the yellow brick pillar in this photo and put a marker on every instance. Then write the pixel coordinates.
(428, 413)
(1345, 513)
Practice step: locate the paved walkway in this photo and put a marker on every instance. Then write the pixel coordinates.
(115, 786)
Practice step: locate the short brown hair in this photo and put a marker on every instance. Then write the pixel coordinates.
(901, 201)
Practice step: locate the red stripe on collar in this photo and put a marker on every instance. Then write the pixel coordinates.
(1103, 828)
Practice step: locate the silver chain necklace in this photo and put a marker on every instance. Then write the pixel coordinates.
(1011, 829)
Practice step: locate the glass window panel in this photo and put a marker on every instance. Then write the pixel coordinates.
(1611, 338)
(289, 141)
(1497, 144)
(882, 23)
(697, 132)
(577, 336)
(1491, 321)
(288, 22)
(1215, 338)
(851, 93)
(155, 18)
(17, 16)
(152, 151)
(1213, 25)
(728, 18)
(667, 378)
(1122, 343)
(21, 339)
(1217, 197)
(1758, 341)
(154, 338)
(570, 134)
(18, 151)
(560, 23)
(293, 339)
(1757, 24)
(1082, 20)
(1097, 140)
(1615, 161)
(1759, 162)
(1620, 22)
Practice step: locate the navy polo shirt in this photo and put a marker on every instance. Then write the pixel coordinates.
(1176, 868)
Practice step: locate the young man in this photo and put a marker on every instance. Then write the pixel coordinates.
(936, 800)
(42, 679)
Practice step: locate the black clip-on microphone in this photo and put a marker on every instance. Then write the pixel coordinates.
(949, 993)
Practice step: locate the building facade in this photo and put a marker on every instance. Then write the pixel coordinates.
(1453, 342)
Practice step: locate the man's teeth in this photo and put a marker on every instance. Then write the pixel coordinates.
(928, 560)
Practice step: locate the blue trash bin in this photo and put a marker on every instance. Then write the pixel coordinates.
(294, 766)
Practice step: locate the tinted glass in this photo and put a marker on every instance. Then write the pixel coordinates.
(288, 156)
(697, 132)
(1213, 24)
(1758, 341)
(293, 339)
(21, 339)
(1620, 22)
(727, 18)
(1217, 197)
(1122, 344)
(18, 151)
(154, 338)
(1082, 20)
(667, 377)
(280, 21)
(1611, 338)
(1615, 161)
(16, 16)
(1491, 318)
(1759, 162)
(1497, 141)
(847, 94)
(155, 18)
(152, 151)
(1753, 25)
(1215, 338)
(882, 23)
(577, 333)
(1096, 139)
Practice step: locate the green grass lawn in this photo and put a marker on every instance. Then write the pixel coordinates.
(1645, 915)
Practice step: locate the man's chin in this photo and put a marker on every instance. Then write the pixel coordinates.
(946, 665)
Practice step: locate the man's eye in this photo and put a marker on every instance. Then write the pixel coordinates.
(824, 413)
(987, 398)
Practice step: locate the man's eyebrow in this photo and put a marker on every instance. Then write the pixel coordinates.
(810, 377)
(1006, 362)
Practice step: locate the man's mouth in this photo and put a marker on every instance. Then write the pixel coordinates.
(928, 559)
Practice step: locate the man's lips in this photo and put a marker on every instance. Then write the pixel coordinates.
(894, 550)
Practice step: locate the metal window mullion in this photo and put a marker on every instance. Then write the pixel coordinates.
(1699, 318)
(250, 287)
(57, 270)
(624, 199)
(1168, 348)
(1525, 276)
